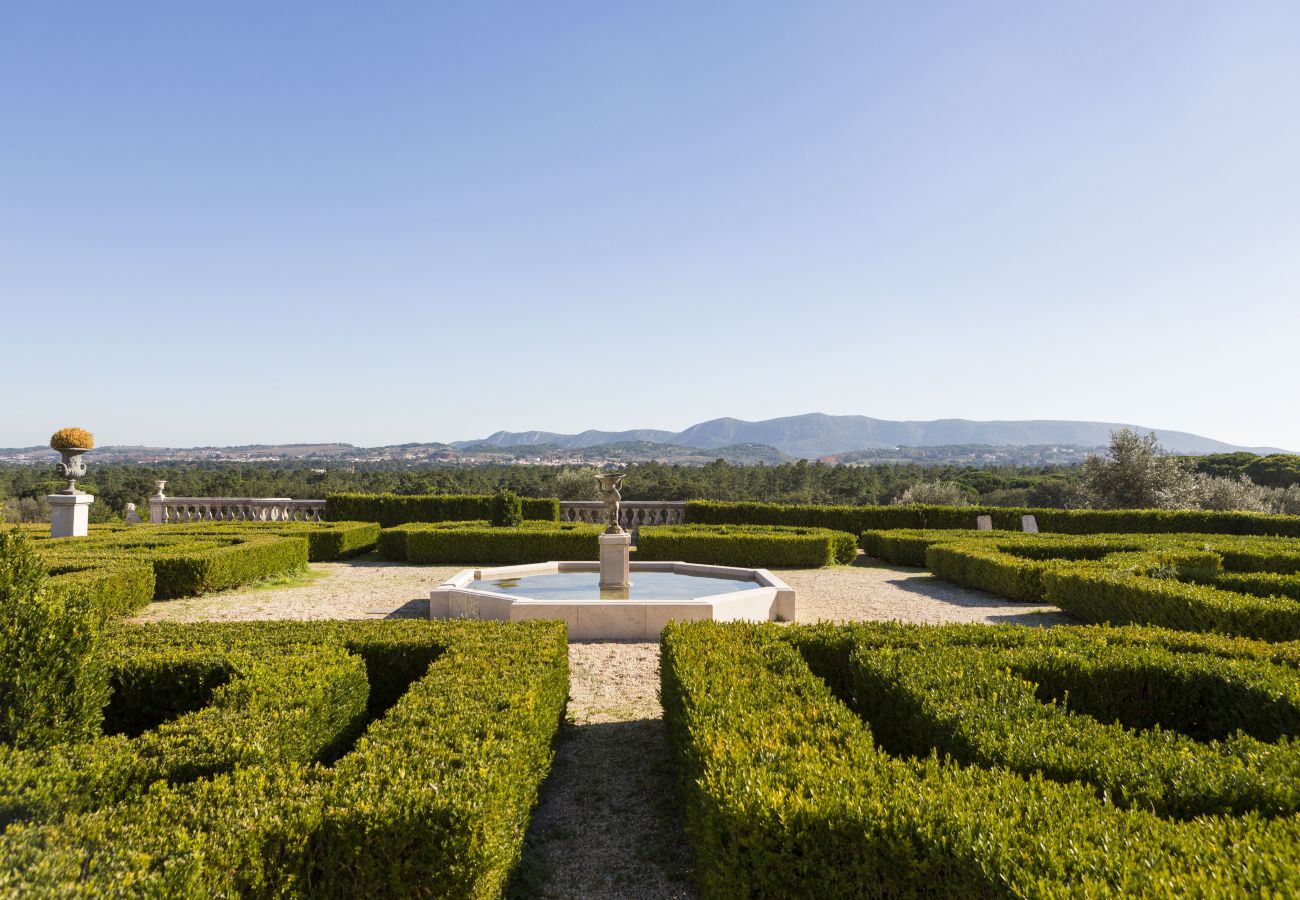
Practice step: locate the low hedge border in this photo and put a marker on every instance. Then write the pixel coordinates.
(857, 519)
(985, 707)
(755, 546)
(184, 564)
(1175, 581)
(326, 541)
(398, 509)
(436, 794)
(786, 794)
(435, 543)
(298, 706)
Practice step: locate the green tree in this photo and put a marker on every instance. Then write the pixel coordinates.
(1136, 476)
(937, 493)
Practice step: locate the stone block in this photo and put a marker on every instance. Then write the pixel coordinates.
(70, 514)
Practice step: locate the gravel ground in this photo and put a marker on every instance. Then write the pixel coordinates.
(871, 590)
(361, 588)
(607, 824)
(366, 588)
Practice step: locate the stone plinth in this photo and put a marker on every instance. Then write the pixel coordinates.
(70, 514)
(614, 551)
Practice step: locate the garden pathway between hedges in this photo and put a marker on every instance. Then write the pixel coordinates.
(608, 823)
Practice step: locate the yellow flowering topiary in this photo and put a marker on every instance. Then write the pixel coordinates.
(68, 438)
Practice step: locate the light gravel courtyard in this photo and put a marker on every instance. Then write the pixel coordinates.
(367, 587)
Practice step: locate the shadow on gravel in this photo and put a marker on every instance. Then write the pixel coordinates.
(411, 609)
(1000, 609)
(608, 823)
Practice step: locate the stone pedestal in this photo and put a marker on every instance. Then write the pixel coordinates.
(70, 514)
(614, 569)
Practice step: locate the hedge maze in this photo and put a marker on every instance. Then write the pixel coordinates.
(1248, 586)
(821, 761)
(337, 759)
(126, 567)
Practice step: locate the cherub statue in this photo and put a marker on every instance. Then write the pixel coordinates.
(609, 483)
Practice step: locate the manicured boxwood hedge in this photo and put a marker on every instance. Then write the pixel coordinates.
(856, 519)
(326, 541)
(297, 706)
(184, 564)
(480, 543)
(398, 509)
(789, 793)
(1224, 583)
(759, 546)
(52, 678)
(432, 799)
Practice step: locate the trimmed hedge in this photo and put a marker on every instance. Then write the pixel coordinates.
(479, 543)
(52, 679)
(1175, 581)
(757, 546)
(506, 510)
(184, 564)
(398, 509)
(786, 794)
(434, 799)
(986, 708)
(857, 519)
(296, 706)
(326, 541)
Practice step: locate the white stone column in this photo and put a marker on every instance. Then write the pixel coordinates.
(70, 514)
(156, 513)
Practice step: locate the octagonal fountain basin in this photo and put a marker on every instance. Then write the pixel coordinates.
(659, 592)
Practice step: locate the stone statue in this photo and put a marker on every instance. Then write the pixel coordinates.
(609, 483)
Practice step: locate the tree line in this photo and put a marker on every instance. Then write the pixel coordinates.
(1135, 472)
(24, 487)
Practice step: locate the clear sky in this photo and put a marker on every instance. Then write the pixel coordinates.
(378, 222)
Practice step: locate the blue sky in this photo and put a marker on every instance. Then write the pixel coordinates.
(383, 222)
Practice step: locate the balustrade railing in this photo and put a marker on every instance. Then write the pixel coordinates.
(631, 514)
(164, 510)
(174, 510)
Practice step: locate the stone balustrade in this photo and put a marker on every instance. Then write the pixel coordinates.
(631, 514)
(174, 510)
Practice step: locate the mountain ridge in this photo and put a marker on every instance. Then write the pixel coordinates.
(814, 435)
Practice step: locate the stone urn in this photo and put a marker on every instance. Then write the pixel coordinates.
(71, 468)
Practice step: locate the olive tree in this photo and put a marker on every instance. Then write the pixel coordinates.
(937, 493)
(1135, 474)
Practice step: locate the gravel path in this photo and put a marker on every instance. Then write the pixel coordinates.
(361, 588)
(608, 824)
(871, 590)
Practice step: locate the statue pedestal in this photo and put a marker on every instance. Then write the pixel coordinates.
(614, 551)
(70, 514)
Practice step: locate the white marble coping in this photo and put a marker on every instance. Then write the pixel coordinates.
(641, 619)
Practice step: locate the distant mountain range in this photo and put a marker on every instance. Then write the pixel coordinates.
(816, 435)
(835, 439)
